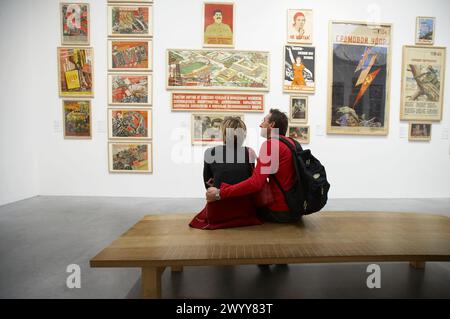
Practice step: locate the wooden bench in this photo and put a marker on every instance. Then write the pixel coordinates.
(160, 241)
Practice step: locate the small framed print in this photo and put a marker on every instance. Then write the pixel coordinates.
(133, 89)
(298, 109)
(130, 123)
(299, 69)
(75, 71)
(218, 24)
(419, 131)
(299, 133)
(77, 119)
(130, 55)
(75, 23)
(130, 157)
(206, 127)
(425, 30)
(300, 26)
(130, 20)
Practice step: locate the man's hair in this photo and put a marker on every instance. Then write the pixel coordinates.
(219, 11)
(280, 119)
(235, 126)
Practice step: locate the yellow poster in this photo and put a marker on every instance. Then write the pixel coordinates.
(72, 79)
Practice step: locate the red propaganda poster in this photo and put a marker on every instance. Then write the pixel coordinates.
(218, 25)
(217, 102)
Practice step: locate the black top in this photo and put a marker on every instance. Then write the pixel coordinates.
(229, 165)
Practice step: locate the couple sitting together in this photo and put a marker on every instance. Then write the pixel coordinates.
(240, 193)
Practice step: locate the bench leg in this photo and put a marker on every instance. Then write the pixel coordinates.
(417, 264)
(177, 268)
(151, 282)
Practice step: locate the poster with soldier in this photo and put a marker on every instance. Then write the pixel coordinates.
(423, 72)
(206, 127)
(359, 71)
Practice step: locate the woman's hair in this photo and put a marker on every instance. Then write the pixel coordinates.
(236, 129)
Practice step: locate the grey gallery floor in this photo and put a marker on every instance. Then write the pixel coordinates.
(40, 236)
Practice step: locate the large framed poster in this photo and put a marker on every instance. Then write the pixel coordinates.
(298, 71)
(217, 70)
(359, 60)
(423, 74)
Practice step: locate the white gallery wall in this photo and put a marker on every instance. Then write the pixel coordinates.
(36, 159)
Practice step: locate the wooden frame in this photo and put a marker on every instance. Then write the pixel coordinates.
(302, 139)
(420, 41)
(292, 118)
(422, 133)
(296, 83)
(130, 6)
(307, 37)
(73, 75)
(131, 143)
(345, 115)
(66, 135)
(130, 88)
(147, 118)
(204, 26)
(148, 43)
(203, 77)
(425, 101)
(88, 25)
(195, 140)
(212, 105)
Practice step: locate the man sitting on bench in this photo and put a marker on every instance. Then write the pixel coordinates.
(275, 160)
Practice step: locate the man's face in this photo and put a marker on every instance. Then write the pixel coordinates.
(266, 126)
(218, 17)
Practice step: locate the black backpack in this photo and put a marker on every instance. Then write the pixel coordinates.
(309, 193)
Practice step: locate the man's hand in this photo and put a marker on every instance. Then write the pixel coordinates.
(211, 194)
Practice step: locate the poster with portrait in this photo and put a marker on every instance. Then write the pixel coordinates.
(298, 109)
(130, 55)
(423, 74)
(419, 131)
(299, 69)
(300, 26)
(75, 23)
(218, 24)
(128, 20)
(129, 123)
(299, 133)
(217, 70)
(75, 71)
(358, 78)
(129, 89)
(206, 127)
(77, 119)
(130, 157)
(425, 30)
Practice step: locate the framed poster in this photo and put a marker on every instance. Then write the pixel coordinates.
(77, 119)
(218, 24)
(419, 131)
(206, 127)
(298, 109)
(75, 23)
(129, 123)
(359, 62)
(423, 74)
(140, 1)
(128, 20)
(189, 101)
(299, 133)
(75, 71)
(130, 89)
(300, 26)
(217, 70)
(425, 30)
(298, 71)
(130, 157)
(130, 55)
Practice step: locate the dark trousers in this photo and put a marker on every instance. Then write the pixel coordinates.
(277, 217)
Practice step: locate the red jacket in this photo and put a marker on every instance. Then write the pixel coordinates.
(274, 158)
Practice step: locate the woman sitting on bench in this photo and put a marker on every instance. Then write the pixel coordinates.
(229, 163)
